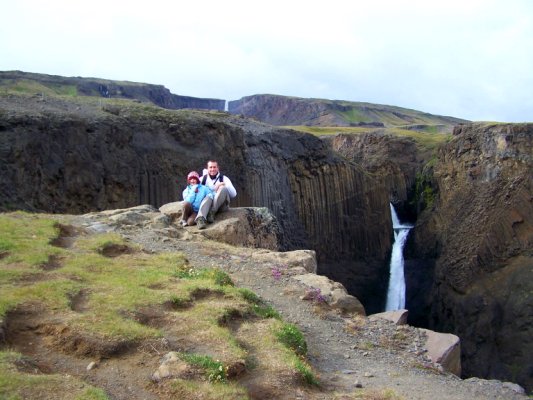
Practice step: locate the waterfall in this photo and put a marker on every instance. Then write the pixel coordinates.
(396, 292)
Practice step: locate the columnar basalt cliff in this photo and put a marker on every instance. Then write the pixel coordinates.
(478, 243)
(94, 158)
(395, 160)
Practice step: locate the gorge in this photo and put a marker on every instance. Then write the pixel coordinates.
(467, 260)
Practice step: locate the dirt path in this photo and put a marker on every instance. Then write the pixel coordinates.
(370, 356)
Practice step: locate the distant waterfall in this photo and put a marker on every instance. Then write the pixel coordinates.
(396, 292)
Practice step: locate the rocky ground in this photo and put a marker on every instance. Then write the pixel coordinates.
(348, 354)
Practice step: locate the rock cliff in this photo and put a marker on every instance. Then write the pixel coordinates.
(78, 157)
(477, 242)
(394, 160)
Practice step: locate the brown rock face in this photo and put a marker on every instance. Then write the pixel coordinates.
(73, 159)
(480, 237)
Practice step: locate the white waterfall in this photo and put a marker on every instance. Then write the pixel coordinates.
(396, 292)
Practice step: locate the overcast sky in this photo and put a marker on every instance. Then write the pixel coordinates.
(470, 59)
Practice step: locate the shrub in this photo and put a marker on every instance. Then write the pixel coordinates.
(292, 338)
(215, 370)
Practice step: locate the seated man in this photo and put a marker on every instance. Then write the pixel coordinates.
(223, 188)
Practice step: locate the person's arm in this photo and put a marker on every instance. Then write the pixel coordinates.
(188, 195)
(207, 192)
(228, 185)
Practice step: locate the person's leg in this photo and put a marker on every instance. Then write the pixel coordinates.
(205, 206)
(221, 202)
(191, 219)
(187, 211)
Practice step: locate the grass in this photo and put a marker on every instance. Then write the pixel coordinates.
(429, 139)
(19, 385)
(206, 308)
(292, 337)
(214, 369)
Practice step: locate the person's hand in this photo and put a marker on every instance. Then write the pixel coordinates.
(218, 185)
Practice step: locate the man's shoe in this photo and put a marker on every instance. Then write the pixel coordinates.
(183, 223)
(201, 223)
(210, 217)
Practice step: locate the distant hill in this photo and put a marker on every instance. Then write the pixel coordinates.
(271, 109)
(294, 111)
(159, 95)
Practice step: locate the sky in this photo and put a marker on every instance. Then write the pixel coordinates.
(470, 59)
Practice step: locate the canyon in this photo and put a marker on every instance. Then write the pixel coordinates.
(468, 259)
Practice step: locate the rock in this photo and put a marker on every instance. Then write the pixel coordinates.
(444, 349)
(305, 259)
(160, 221)
(173, 210)
(91, 365)
(171, 366)
(247, 227)
(398, 317)
(514, 387)
(333, 293)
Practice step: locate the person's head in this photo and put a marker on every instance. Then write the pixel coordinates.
(212, 167)
(193, 178)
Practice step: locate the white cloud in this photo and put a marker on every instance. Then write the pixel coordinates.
(467, 59)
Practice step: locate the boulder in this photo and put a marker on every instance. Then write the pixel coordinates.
(333, 293)
(305, 259)
(247, 227)
(398, 317)
(444, 349)
(172, 210)
(134, 216)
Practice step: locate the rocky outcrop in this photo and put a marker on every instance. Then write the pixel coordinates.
(283, 110)
(243, 226)
(87, 158)
(444, 349)
(477, 241)
(398, 317)
(332, 293)
(156, 94)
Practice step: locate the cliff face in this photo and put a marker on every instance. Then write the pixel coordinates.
(116, 157)
(394, 160)
(156, 94)
(479, 240)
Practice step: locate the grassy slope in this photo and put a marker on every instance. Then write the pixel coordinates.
(121, 286)
(426, 140)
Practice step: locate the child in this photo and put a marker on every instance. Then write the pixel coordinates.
(193, 195)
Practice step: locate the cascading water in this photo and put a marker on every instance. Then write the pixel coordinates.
(396, 292)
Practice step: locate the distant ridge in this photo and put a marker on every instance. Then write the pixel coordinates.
(77, 86)
(293, 111)
(269, 108)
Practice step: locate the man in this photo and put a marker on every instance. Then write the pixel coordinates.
(223, 188)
